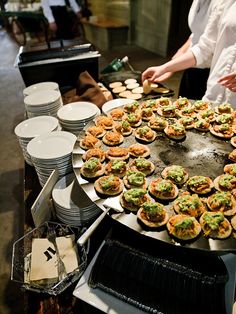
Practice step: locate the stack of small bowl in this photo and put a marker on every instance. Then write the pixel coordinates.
(31, 128)
(73, 117)
(51, 151)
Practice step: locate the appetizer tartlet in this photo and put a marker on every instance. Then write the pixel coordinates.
(222, 130)
(94, 152)
(116, 114)
(139, 150)
(167, 111)
(157, 123)
(215, 225)
(233, 141)
(222, 202)
(147, 114)
(131, 107)
(135, 179)
(124, 128)
(105, 122)
(145, 134)
(133, 199)
(150, 103)
(97, 131)
(92, 168)
(163, 189)
(187, 122)
(202, 125)
(118, 153)
(233, 222)
(109, 185)
(187, 112)
(134, 119)
(224, 118)
(89, 141)
(200, 184)
(232, 155)
(116, 167)
(230, 169)
(224, 108)
(112, 138)
(188, 204)
(182, 102)
(153, 214)
(208, 114)
(143, 165)
(183, 227)
(163, 101)
(225, 182)
(175, 131)
(201, 105)
(177, 174)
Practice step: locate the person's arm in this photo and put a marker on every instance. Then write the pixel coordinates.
(157, 73)
(49, 16)
(229, 81)
(76, 8)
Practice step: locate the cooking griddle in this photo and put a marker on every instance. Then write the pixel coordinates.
(121, 76)
(200, 153)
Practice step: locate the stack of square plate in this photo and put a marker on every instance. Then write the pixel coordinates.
(74, 116)
(40, 86)
(50, 151)
(43, 103)
(30, 128)
(71, 203)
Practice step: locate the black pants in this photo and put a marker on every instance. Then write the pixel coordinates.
(63, 21)
(193, 83)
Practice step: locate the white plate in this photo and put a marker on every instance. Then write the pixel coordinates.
(99, 299)
(77, 111)
(36, 126)
(40, 86)
(51, 145)
(111, 104)
(42, 98)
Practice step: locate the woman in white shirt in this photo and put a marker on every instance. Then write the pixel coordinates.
(59, 20)
(216, 49)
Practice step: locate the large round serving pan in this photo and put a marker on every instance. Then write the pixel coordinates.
(200, 153)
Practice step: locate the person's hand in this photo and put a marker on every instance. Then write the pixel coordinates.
(53, 27)
(79, 15)
(229, 81)
(155, 74)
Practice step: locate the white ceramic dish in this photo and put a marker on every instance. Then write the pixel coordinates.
(51, 145)
(42, 98)
(40, 86)
(77, 111)
(36, 126)
(114, 103)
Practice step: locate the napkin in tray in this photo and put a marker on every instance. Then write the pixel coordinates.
(44, 258)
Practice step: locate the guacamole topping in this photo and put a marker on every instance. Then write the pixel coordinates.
(214, 220)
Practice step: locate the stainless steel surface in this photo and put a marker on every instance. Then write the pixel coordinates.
(200, 153)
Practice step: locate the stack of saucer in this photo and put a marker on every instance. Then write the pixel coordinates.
(39, 87)
(43, 103)
(74, 116)
(30, 128)
(50, 151)
(71, 203)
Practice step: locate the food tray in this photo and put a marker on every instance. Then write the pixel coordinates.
(121, 76)
(200, 153)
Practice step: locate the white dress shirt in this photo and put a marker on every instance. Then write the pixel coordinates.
(46, 4)
(217, 49)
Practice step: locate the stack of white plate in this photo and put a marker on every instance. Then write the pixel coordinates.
(74, 116)
(71, 204)
(50, 151)
(39, 87)
(43, 103)
(30, 128)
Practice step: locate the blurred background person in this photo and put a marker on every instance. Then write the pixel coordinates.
(216, 49)
(60, 21)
